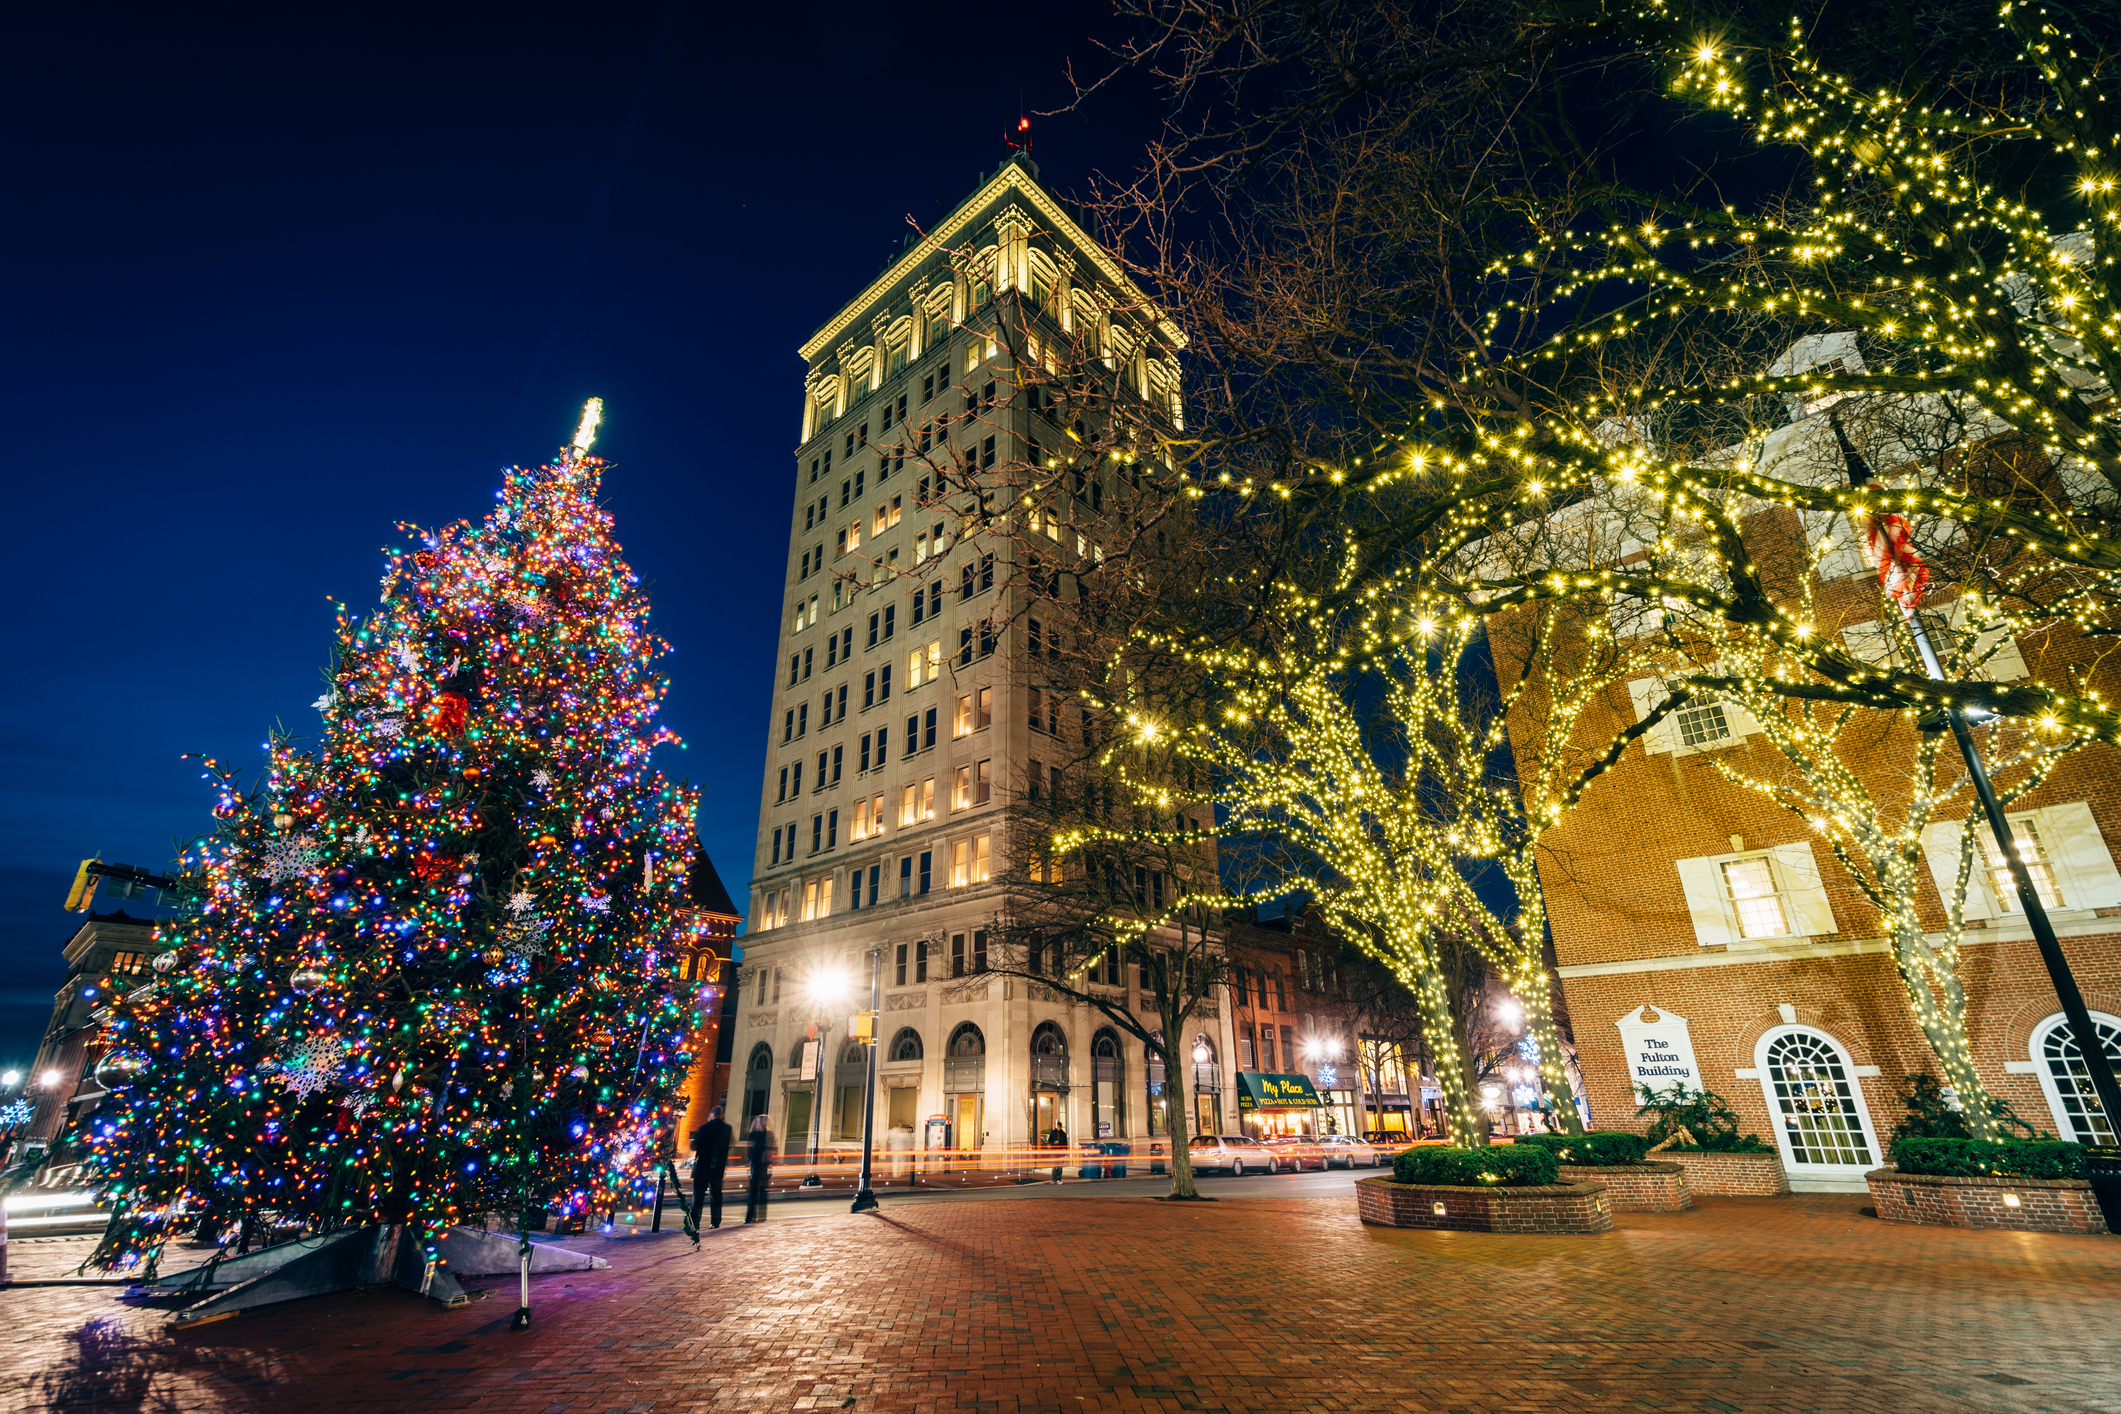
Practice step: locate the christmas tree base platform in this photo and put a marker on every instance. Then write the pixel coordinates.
(346, 1261)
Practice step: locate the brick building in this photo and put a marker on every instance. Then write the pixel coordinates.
(709, 961)
(1707, 934)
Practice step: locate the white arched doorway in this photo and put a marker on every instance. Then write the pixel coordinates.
(1822, 1124)
(2059, 1062)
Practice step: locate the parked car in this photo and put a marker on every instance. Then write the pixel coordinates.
(1346, 1151)
(1296, 1153)
(1230, 1153)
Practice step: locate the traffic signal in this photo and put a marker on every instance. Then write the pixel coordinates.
(862, 1027)
(83, 892)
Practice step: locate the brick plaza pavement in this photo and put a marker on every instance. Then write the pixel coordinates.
(1048, 1306)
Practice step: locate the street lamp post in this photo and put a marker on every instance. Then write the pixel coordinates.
(826, 987)
(865, 1196)
(1904, 591)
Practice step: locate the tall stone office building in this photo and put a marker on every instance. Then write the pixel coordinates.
(907, 718)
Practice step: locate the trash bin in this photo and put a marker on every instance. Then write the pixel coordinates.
(2102, 1165)
(1116, 1156)
(1092, 1166)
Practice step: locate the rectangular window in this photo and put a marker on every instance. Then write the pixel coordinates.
(1034, 779)
(842, 547)
(860, 474)
(802, 719)
(832, 829)
(928, 729)
(795, 784)
(854, 534)
(979, 950)
(986, 450)
(840, 710)
(784, 787)
(964, 648)
(957, 954)
(913, 736)
(832, 651)
(905, 879)
(776, 844)
(982, 860)
(883, 694)
(914, 662)
(986, 572)
(920, 604)
(824, 896)
(935, 663)
(808, 653)
(965, 576)
(837, 753)
(898, 966)
(810, 901)
(1266, 1048)
(920, 959)
(822, 758)
(960, 864)
(928, 798)
(961, 789)
(890, 619)
(817, 833)
(861, 819)
(983, 782)
(983, 709)
(908, 806)
(872, 630)
(868, 694)
(854, 889)
(1751, 884)
(795, 668)
(927, 862)
(1700, 722)
(961, 722)
(1038, 710)
(2036, 865)
(864, 758)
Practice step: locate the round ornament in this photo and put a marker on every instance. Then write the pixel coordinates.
(118, 1069)
(494, 956)
(397, 1082)
(282, 820)
(164, 961)
(307, 980)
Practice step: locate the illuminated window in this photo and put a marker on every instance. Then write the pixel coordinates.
(981, 860)
(809, 901)
(935, 660)
(983, 782)
(961, 789)
(909, 806)
(928, 799)
(2036, 865)
(1751, 883)
(961, 722)
(854, 535)
(861, 819)
(960, 864)
(916, 662)
(1701, 721)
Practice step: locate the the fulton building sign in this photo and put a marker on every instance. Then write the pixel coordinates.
(1660, 1050)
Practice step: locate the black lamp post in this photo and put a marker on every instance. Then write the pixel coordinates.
(865, 1196)
(2096, 1065)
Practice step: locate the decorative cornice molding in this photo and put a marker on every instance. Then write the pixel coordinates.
(1011, 178)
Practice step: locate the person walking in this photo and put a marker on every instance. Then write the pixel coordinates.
(761, 1140)
(710, 1150)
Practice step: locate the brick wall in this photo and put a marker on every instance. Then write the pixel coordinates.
(1732, 1175)
(2044, 1204)
(1558, 1208)
(1636, 1188)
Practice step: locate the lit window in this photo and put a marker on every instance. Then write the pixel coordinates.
(854, 534)
(961, 723)
(1751, 883)
(980, 860)
(861, 819)
(909, 806)
(935, 657)
(916, 661)
(928, 799)
(809, 901)
(920, 549)
(961, 789)
(960, 864)
(2036, 864)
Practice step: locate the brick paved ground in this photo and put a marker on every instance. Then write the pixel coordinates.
(1050, 1306)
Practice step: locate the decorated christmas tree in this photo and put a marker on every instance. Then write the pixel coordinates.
(428, 967)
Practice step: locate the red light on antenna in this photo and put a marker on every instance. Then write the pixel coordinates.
(1023, 125)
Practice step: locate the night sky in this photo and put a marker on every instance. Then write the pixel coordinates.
(279, 279)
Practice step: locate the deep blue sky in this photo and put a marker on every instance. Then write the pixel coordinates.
(278, 279)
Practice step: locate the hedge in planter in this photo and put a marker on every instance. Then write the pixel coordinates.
(1512, 1165)
(1600, 1148)
(1973, 1158)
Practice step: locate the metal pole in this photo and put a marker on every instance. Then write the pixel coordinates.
(865, 1197)
(817, 1106)
(2096, 1064)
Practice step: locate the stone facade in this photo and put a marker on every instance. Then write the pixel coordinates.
(1731, 1175)
(1636, 1188)
(1556, 1208)
(2043, 1204)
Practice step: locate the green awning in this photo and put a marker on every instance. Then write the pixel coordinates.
(1258, 1091)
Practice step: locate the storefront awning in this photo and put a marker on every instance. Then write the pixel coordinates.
(1258, 1091)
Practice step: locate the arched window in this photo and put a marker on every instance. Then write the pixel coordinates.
(906, 1046)
(758, 1081)
(2066, 1080)
(1821, 1121)
(967, 1041)
(1049, 1040)
(1159, 1102)
(1107, 1078)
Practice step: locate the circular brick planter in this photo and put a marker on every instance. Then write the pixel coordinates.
(1726, 1175)
(2042, 1204)
(1559, 1207)
(1636, 1188)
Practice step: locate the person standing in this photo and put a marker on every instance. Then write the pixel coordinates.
(1057, 1138)
(761, 1140)
(710, 1149)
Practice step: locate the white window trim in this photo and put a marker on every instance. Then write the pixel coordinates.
(2076, 851)
(1876, 641)
(1664, 738)
(1797, 882)
(2038, 1064)
(1796, 1170)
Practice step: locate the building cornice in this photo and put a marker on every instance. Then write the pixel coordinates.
(1012, 177)
(2077, 923)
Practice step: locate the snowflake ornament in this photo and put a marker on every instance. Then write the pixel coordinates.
(520, 902)
(389, 726)
(313, 1065)
(326, 702)
(597, 903)
(407, 658)
(541, 778)
(16, 1114)
(292, 858)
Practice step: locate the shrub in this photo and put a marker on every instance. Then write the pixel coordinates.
(1703, 1115)
(1601, 1147)
(1931, 1115)
(1512, 1165)
(1970, 1158)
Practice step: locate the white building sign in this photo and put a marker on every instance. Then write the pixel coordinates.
(1659, 1049)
